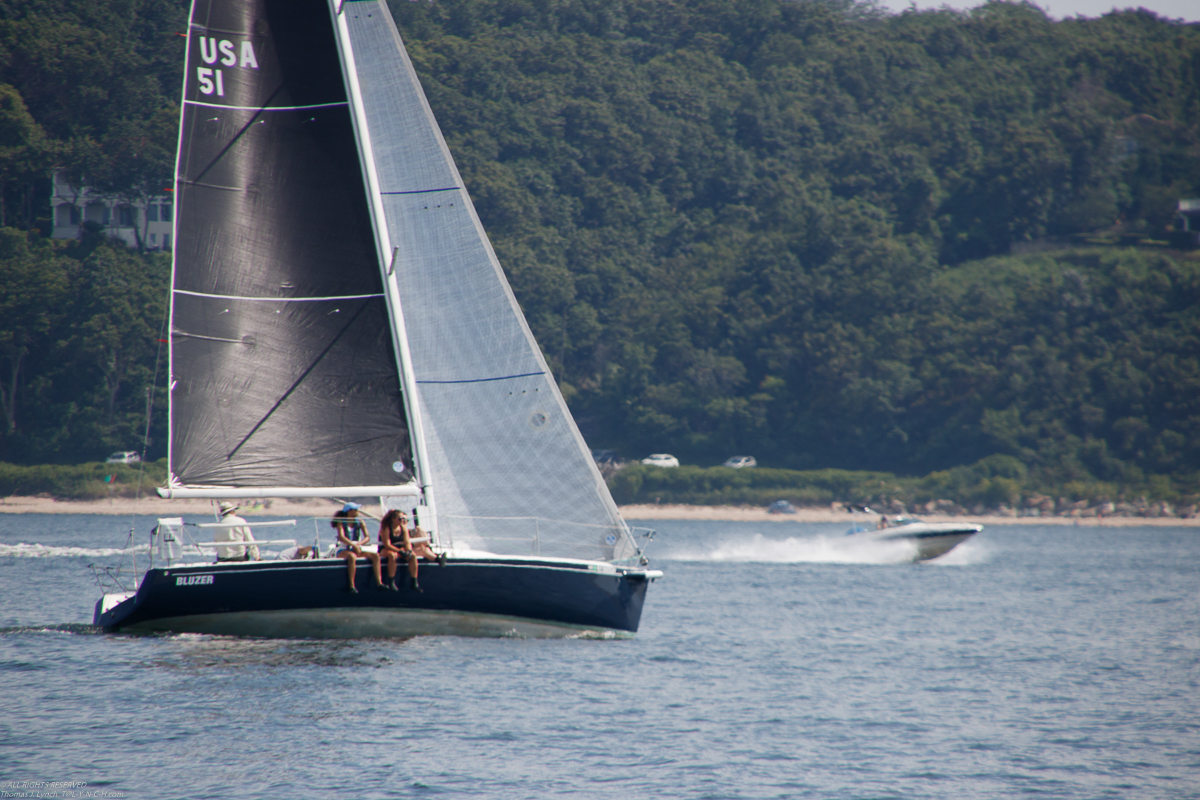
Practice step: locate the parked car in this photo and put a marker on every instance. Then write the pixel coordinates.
(123, 457)
(737, 462)
(781, 507)
(661, 460)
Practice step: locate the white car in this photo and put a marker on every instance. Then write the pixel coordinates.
(123, 457)
(737, 462)
(661, 460)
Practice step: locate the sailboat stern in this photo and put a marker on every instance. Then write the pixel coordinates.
(113, 606)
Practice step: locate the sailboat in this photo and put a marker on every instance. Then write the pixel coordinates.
(340, 327)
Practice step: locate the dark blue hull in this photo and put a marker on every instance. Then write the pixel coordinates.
(468, 596)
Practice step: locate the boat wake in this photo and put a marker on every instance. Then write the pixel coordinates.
(193, 651)
(23, 550)
(802, 550)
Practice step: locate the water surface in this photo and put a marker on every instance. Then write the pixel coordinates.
(774, 661)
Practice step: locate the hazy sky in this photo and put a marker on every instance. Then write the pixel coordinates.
(1174, 9)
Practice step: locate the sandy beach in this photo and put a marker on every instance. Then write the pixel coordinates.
(158, 507)
(316, 507)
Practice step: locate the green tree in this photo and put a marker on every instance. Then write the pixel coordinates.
(34, 284)
(24, 157)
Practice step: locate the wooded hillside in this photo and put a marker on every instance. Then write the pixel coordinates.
(754, 226)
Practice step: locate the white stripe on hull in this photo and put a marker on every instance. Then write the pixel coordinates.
(360, 623)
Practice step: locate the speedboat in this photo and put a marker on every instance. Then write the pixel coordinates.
(930, 539)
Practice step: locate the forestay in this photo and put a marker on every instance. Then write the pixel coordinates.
(507, 465)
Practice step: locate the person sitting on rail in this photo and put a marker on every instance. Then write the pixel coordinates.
(234, 533)
(391, 546)
(351, 536)
(400, 543)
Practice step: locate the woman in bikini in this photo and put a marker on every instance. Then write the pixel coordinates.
(395, 542)
(351, 536)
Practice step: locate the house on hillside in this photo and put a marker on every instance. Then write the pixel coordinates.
(1186, 232)
(71, 207)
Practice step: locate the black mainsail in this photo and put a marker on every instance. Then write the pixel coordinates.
(283, 362)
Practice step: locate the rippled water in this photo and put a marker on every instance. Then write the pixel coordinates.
(774, 660)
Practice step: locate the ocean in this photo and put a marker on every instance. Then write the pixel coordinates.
(773, 661)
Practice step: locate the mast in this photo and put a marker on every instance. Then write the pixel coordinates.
(175, 195)
(387, 261)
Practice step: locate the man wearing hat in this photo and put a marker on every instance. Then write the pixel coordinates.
(234, 534)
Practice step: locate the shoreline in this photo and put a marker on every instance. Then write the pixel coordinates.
(321, 507)
(754, 514)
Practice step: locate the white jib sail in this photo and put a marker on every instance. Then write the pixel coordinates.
(503, 457)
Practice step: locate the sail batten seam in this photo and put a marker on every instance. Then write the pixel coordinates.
(211, 185)
(278, 299)
(486, 380)
(426, 191)
(266, 108)
(187, 335)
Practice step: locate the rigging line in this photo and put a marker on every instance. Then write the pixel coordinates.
(487, 380)
(278, 299)
(137, 497)
(145, 439)
(267, 108)
(299, 380)
(426, 191)
(233, 141)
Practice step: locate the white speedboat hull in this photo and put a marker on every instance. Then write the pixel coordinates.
(930, 539)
